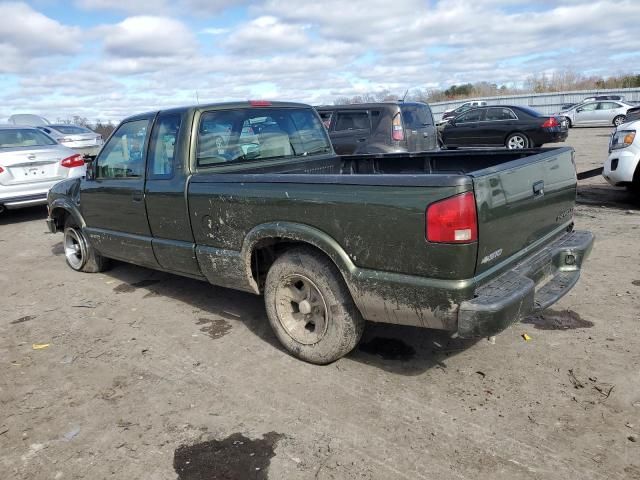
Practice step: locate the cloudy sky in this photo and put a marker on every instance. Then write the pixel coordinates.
(106, 59)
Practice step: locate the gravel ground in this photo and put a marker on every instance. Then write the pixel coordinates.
(153, 376)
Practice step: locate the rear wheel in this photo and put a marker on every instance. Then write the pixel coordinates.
(568, 122)
(516, 141)
(310, 308)
(79, 253)
(619, 120)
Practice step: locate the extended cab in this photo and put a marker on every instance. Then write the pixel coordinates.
(251, 196)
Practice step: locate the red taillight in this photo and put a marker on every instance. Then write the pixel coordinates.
(259, 103)
(453, 220)
(397, 132)
(551, 122)
(1, 169)
(73, 161)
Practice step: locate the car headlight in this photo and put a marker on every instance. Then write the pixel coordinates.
(622, 139)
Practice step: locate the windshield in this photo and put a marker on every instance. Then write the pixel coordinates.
(70, 129)
(23, 137)
(252, 133)
(416, 116)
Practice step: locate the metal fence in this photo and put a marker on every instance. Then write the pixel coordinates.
(545, 103)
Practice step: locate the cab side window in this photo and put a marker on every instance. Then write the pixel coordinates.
(123, 155)
(162, 147)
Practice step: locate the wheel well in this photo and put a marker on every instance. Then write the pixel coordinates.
(266, 251)
(59, 216)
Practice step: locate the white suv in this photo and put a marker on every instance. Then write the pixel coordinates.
(622, 167)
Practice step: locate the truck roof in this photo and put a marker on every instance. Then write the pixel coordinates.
(222, 106)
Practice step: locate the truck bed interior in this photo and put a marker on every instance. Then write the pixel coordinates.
(420, 164)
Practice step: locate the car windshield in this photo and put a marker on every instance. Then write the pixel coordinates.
(416, 116)
(250, 134)
(70, 129)
(23, 137)
(531, 111)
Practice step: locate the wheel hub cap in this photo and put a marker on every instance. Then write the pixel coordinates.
(301, 309)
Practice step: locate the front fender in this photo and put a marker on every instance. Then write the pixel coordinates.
(65, 196)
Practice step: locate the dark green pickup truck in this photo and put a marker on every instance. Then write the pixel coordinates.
(251, 196)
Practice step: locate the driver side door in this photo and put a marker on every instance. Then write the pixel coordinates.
(112, 202)
(586, 114)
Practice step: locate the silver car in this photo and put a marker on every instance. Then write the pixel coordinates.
(600, 113)
(30, 163)
(74, 136)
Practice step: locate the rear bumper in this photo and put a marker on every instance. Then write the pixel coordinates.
(24, 201)
(530, 286)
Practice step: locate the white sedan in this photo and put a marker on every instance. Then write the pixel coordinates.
(622, 167)
(31, 162)
(603, 113)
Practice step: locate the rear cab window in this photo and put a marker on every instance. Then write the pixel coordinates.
(259, 133)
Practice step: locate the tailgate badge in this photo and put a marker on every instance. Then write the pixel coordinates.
(491, 256)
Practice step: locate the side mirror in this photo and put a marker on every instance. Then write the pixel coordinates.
(452, 121)
(578, 110)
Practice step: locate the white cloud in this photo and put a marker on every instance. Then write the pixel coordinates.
(147, 36)
(267, 34)
(27, 35)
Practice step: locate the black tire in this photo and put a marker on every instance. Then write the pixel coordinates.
(516, 141)
(328, 325)
(568, 122)
(78, 252)
(619, 120)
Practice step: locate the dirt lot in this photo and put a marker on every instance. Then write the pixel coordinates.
(153, 376)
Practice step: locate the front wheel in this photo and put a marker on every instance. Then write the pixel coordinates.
(79, 253)
(516, 141)
(310, 308)
(619, 120)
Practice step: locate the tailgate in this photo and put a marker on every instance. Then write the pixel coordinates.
(521, 201)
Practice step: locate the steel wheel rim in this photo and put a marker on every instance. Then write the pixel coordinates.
(301, 309)
(74, 249)
(516, 142)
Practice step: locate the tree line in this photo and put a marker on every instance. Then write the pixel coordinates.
(542, 83)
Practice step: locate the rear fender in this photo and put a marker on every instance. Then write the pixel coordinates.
(298, 233)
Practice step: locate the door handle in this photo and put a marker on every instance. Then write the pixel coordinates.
(137, 196)
(364, 139)
(538, 189)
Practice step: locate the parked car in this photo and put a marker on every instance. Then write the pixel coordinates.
(507, 125)
(380, 127)
(622, 167)
(30, 163)
(596, 113)
(28, 119)
(467, 243)
(633, 114)
(454, 112)
(567, 106)
(603, 97)
(79, 138)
